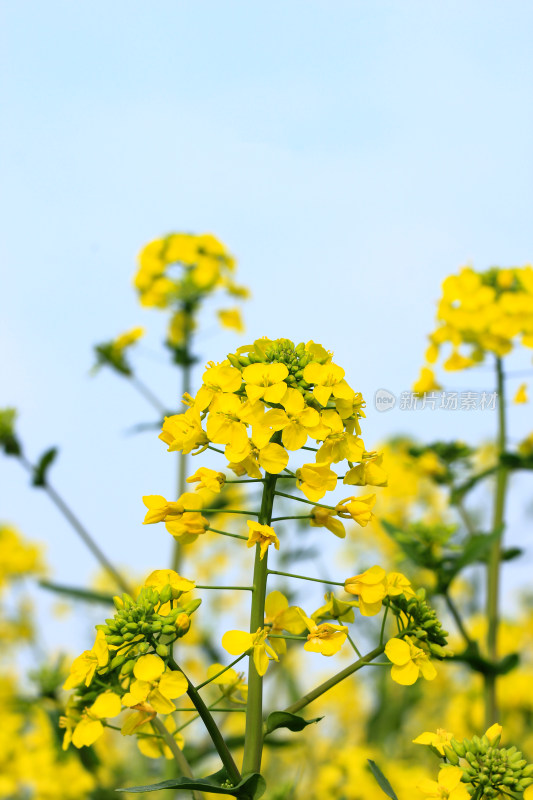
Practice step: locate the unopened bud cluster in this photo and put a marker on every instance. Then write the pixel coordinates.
(497, 769)
(152, 619)
(422, 619)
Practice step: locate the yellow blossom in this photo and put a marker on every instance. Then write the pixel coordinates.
(208, 479)
(183, 432)
(325, 518)
(340, 446)
(265, 381)
(358, 508)
(160, 578)
(159, 508)
(448, 787)
(84, 666)
(436, 740)
(217, 379)
(409, 661)
(521, 394)
(155, 747)
(426, 382)
(279, 616)
(370, 587)
(368, 473)
(89, 728)
(155, 685)
(328, 379)
(232, 683)
(237, 642)
(315, 480)
(325, 638)
(263, 535)
(231, 318)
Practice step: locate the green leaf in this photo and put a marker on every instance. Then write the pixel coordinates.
(79, 594)
(41, 468)
(282, 719)
(382, 780)
(250, 788)
(480, 664)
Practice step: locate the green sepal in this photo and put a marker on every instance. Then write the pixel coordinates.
(282, 719)
(41, 468)
(382, 781)
(249, 788)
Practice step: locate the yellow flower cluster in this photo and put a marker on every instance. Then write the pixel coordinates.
(480, 313)
(17, 557)
(204, 265)
(266, 401)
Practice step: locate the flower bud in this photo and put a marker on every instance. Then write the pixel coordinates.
(165, 595)
(117, 661)
(451, 755)
(183, 623)
(162, 650)
(144, 647)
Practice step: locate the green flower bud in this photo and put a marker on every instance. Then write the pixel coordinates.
(128, 636)
(457, 746)
(127, 667)
(117, 661)
(234, 361)
(132, 627)
(155, 627)
(144, 647)
(191, 607)
(168, 629)
(451, 755)
(162, 650)
(165, 595)
(114, 639)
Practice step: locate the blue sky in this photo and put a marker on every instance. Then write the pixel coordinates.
(350, 154)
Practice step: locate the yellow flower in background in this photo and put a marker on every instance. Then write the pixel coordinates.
(494, 733)
(325, 518)
(84, 667)
(409, 661)
(232, 683)
(314, 480)
(127, 339)
(208, 479)
(358, 508)
(448, 786)
(155, 747)
(426, 382)
(335, 609)
(436, 740)
(521, 394)
(263, 535)
(231, 318)
(266, 381)
(457, 362)
(370, 587)
(160, 578)
(325, 638)
(237, 642)
(279, 616)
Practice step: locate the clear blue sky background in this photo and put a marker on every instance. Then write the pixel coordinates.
(350, 154)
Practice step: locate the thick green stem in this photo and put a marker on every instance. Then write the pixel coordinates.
(253, 740)
(493, 571)
(182, 458)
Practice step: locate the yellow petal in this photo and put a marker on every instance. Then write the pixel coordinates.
(106, 705)
(237, 642)
(149, 668)
(405, 675)
(398, 652)
(173, 684)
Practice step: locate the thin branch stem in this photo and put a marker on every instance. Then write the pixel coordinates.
(227, 533)
(147, 393)
(234, 588)
(301, 500)
(80, 529)
(222, 671)
(303, 577)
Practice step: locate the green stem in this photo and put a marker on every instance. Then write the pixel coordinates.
(82, 532)
(182, 458)
(382, 631)
(226, 533)
(298, 516)
(235, 588)
(220, 511)
(354, 647)
(301, 500)
(222, 671)
(304, 577)
(253, 740)
(458, 619)
(147, 394)
(183, 765)
(211, 727)
(334, 680)
(493, 570)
